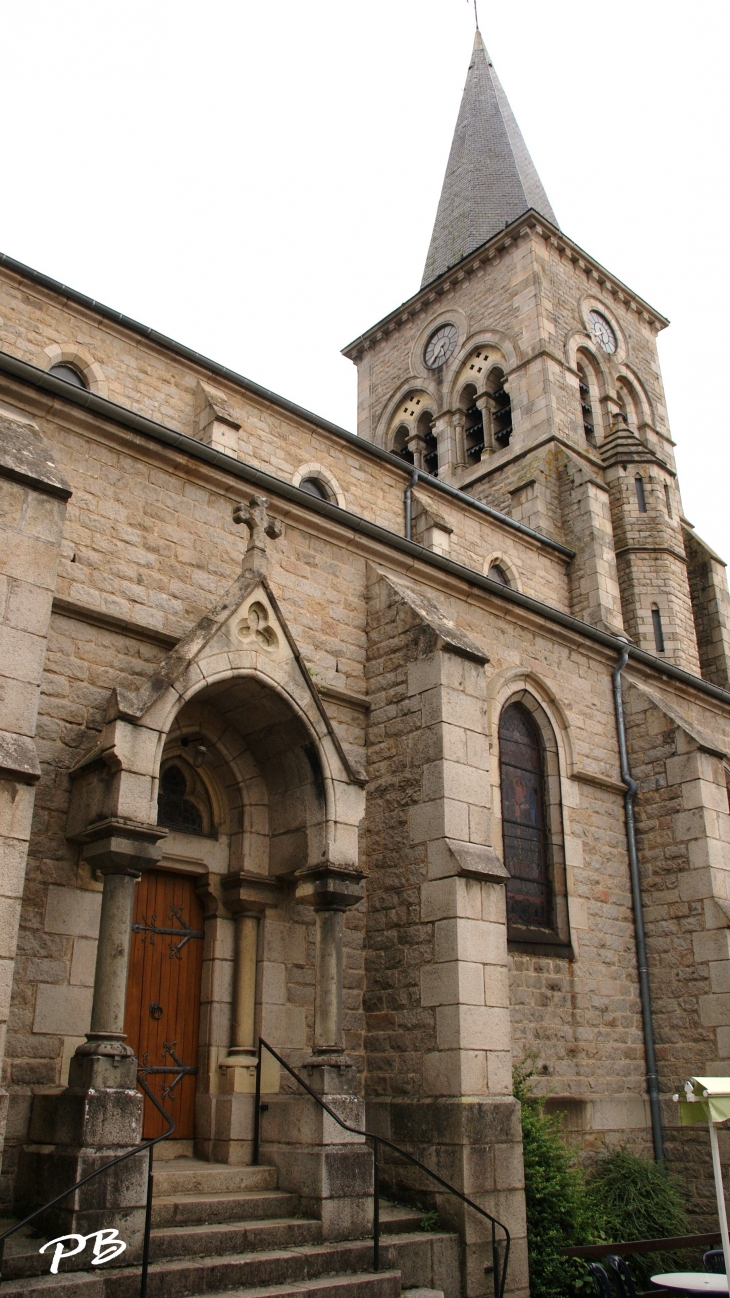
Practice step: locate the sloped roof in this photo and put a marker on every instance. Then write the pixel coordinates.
(490, 177)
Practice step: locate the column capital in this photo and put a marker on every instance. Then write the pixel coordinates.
(330, 887)
(245, 893)
(122, 847)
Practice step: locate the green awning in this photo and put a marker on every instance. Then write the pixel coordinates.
(705, 1099)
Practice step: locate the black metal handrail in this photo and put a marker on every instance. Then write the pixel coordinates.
(130, 1153)
(499, 1272)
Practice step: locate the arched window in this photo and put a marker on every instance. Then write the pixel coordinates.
(182, 802)
(524, 821)
(474, 424)
(501, 409)
(589, 427)
(315, 487)
(400, 444)
(498, 574)
(640, 494)
(69, 375)
(431, 451)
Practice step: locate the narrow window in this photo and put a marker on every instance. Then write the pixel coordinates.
(668, 498)
(640, 495)
(589, 427)
(502, 413)
(474, 425)
(656, 618)
(400, 444)
(431, 451)
(523, 819)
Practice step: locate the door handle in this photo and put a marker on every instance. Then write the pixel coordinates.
(156, 1011)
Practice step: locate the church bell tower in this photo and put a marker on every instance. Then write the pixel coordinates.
(525, 374)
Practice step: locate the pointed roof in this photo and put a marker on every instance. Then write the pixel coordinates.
(490, 177)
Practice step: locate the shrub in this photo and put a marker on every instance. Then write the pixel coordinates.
(558, 1208)
(623, 1198)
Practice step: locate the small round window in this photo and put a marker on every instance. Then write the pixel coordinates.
(315, 487)
(68, 374)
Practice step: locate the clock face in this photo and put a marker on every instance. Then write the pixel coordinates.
(440, 346)
(602, 332)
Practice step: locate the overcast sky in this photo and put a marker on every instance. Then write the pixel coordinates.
(259, 180)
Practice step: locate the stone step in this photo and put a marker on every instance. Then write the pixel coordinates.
(193, 1176)
(424, 1261)
(211, 1209)
(212, 1240)
(381, 1284)
(395, 1218)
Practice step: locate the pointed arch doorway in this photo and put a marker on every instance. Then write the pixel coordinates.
(163, 996)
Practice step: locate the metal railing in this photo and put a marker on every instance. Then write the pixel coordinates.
(499, 1269)
(113, 1162)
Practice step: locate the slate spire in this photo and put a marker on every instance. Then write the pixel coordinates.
(490, 177)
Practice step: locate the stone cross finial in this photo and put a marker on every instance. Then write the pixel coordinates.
(255, 517)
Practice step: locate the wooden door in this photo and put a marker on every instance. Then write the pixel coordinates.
(163, 996)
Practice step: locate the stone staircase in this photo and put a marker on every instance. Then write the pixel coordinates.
(227, 1230)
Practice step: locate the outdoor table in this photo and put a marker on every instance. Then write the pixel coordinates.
(692, 1281)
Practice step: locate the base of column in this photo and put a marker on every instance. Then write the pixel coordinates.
(331, 1169)
(476, 1144)
(74, 1131)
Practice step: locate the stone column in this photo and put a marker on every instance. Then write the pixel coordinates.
(99, 1113)
(246, 896)
(330, 890)
(485, 402)
(330, 1168)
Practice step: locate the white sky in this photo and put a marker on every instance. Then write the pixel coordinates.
(259, 180)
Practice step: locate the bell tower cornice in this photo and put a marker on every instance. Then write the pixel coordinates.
(528, 225)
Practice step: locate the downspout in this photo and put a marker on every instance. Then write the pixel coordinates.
(408, 503)
(632, 788)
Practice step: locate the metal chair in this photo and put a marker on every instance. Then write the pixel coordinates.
(622, 1276)
(600, 1280)
(714, 1260)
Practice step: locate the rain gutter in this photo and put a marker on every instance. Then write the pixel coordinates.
(632, 788)
(105, 409)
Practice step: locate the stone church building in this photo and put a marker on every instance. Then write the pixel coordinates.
(404, 750)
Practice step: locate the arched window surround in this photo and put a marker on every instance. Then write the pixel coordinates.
(320, 472)
(193, 795)
(554, 937)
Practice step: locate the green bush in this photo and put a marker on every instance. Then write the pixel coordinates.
(558, 1208)
(623, 1198)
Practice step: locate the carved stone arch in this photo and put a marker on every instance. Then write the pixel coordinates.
(628, 377)
(322, 474)
(388, 422)
(500, 560)
(502, 352)
(235, 785)
(242, 647)
(79, 359)
(510, 681)
(577, 344)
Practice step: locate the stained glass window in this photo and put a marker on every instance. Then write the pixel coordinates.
(174, 810)
(523, 819)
